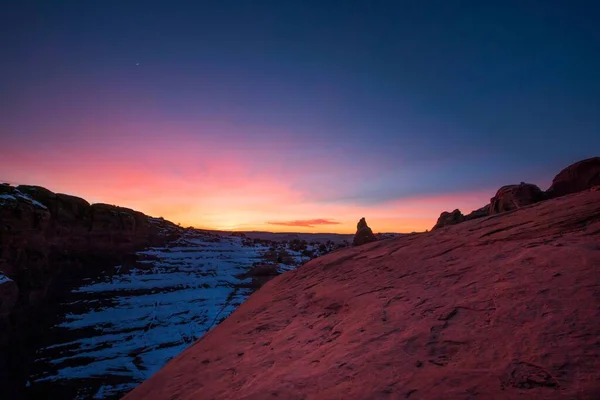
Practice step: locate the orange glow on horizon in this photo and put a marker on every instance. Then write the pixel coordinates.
(217, 189)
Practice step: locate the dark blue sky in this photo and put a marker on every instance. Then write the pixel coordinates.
(414, 97)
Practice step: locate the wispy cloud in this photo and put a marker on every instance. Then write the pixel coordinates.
(305, 223)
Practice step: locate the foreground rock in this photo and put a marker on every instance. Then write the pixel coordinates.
(503, 307)
(364, 234)
(577, 177)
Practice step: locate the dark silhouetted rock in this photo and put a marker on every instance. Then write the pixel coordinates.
(456, 217)
(512, 197)
(582, 175)
(449, 218)
(479, 213)
(364, 234)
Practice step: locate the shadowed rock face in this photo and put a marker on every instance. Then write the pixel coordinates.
(582, 175)
(364, 234)
(505, 307)
(511, 197)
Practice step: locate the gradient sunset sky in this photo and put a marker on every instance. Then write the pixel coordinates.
(296, 115)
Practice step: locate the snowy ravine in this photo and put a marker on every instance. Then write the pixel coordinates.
(118, 330)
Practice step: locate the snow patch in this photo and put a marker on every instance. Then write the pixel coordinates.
(18, 195)
(125, 327)
(4, 279)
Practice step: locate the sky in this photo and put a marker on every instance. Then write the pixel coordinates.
(296, 115)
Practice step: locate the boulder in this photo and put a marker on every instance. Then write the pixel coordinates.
(449, 218)
(512, 197)
(364, 234)
(582, 175)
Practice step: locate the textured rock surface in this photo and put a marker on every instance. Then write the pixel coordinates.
(364, 234)
(511, 197)
(582, 175)
(503, 307)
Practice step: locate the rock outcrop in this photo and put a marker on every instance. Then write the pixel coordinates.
(511, 197)
(48, 239)
(503, 309)
(456, 217)
(479, 213)
(578, 177)
(364, 234)
(582, 175)
(449, 218)
(41, 232)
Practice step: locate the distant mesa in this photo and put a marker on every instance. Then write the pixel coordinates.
(364, 234)
(580, 176)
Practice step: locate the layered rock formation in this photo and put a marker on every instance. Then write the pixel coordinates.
(364, 234)
(502, 307)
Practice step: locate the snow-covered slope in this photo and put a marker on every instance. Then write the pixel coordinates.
(118, 330)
